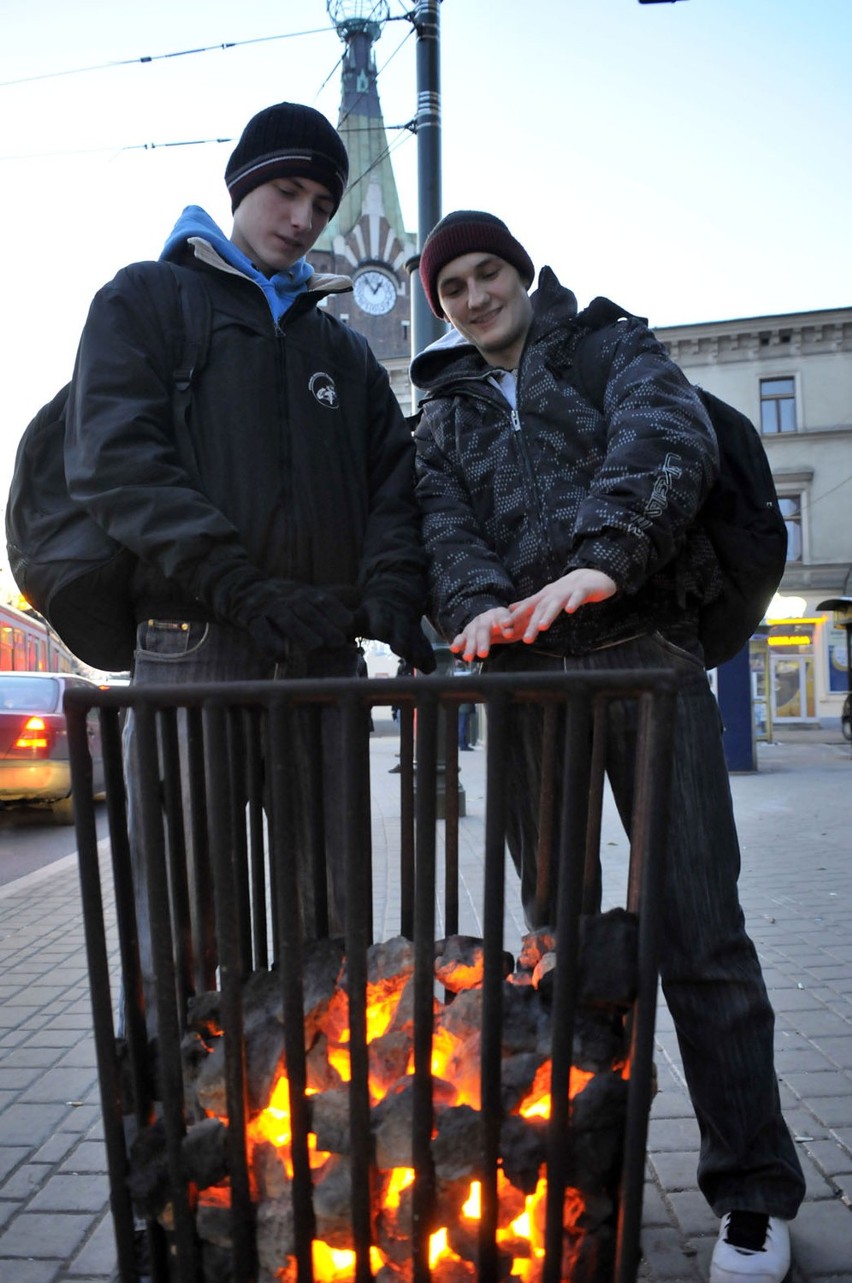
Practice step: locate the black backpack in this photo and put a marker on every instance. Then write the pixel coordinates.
(65, 564)
(741, 515)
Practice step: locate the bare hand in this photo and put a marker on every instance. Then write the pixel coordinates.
(535, 614)
(485, 630)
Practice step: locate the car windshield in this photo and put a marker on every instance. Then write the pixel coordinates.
(28, 694)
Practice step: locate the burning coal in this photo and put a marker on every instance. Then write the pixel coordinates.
(597, 1093)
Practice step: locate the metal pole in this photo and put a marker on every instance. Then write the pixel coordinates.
(425, 326)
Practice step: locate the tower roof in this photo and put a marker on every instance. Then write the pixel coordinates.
(363, 131)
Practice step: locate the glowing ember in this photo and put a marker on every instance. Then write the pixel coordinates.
(400, 1179)
(455, 1068)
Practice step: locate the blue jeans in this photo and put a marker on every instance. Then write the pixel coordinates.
(710, 973)
(170, 652)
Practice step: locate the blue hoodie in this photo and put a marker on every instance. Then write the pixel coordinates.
(281, 290)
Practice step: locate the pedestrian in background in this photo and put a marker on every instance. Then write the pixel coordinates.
(562, 537)
(461, 669)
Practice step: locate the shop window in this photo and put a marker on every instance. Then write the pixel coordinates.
(777, 405)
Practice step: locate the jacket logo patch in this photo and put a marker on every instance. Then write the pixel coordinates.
(323, 389)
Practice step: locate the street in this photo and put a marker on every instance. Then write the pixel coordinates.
(31, 838)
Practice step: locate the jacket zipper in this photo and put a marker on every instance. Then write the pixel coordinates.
(532, 484)
(517, 430)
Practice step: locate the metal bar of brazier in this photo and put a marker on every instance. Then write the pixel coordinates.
(232, 814)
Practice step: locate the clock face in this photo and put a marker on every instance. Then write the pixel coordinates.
(375, 291)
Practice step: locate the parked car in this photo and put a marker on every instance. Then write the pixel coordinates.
(34, 765)
(846, 718)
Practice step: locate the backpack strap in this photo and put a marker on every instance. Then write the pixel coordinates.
(191, 303)
(590, 372)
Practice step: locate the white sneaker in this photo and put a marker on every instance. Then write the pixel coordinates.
(752, 1248)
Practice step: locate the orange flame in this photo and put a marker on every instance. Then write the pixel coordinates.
(456, 1062)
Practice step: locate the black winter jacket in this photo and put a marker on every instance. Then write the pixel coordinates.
(297, 464)
(512, 501)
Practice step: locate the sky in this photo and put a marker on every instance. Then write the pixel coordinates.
(690, 160)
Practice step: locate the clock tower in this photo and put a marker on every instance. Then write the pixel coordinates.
(366, 238)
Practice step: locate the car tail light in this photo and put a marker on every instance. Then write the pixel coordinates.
(36, 737)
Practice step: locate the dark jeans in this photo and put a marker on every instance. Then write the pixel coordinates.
(170, 652)
(709, 969)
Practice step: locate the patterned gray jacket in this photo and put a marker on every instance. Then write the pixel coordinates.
(513, 499)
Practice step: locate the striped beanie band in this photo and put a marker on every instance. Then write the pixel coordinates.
(287, 140)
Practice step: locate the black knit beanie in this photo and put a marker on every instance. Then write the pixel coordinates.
(469, 231)
(287, 140)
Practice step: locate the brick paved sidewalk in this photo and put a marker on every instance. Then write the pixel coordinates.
(796, 889)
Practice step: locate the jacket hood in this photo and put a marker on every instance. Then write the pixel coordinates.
(196, 230)
(453, 357)
(451, 350)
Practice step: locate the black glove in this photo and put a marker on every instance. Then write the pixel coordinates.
(301, 616)
(383, 622)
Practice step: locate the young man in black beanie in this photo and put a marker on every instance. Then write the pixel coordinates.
(279, 523)
(562, 536)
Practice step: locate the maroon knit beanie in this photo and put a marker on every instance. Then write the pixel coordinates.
(287, 141)
(469, 231)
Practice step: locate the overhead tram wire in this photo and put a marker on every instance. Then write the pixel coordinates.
(178, 53)
(187, 142)
(409, 127)
(160, 57)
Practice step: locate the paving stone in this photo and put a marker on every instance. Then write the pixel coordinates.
(25, 1181)
(674, 1134)
(88, 1156)
(15, 1079)
(78, 1192)
(819, 1025)
(23, 1124)
(838, 1049)
(28, 1271)
(692, 1213)
(56, 1237)
(12, 1038)
(665, 1256)
(675, 1170)
(654, 1209)
(11, 1017)
(829, 1082)
(833, 1158)
(81, 1117)
(822, 1237)
(62, 1084)
(29, 1057)
(817, 1184)
(81, 1056)
(672, 1104)
(10, 1156)
(73, 1020)
(833, 1111)
(97, 1257)
(55, 1147)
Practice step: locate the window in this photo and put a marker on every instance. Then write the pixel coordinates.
(791, 511)
(777, 405)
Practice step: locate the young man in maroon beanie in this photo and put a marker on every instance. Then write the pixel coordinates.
(278, 524)
(562, 536)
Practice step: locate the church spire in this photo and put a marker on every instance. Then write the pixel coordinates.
(361, 125)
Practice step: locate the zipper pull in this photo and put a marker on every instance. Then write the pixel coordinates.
(516, 421)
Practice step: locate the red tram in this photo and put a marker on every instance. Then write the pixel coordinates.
(28, 644)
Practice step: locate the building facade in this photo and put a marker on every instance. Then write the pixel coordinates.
(792, 375)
